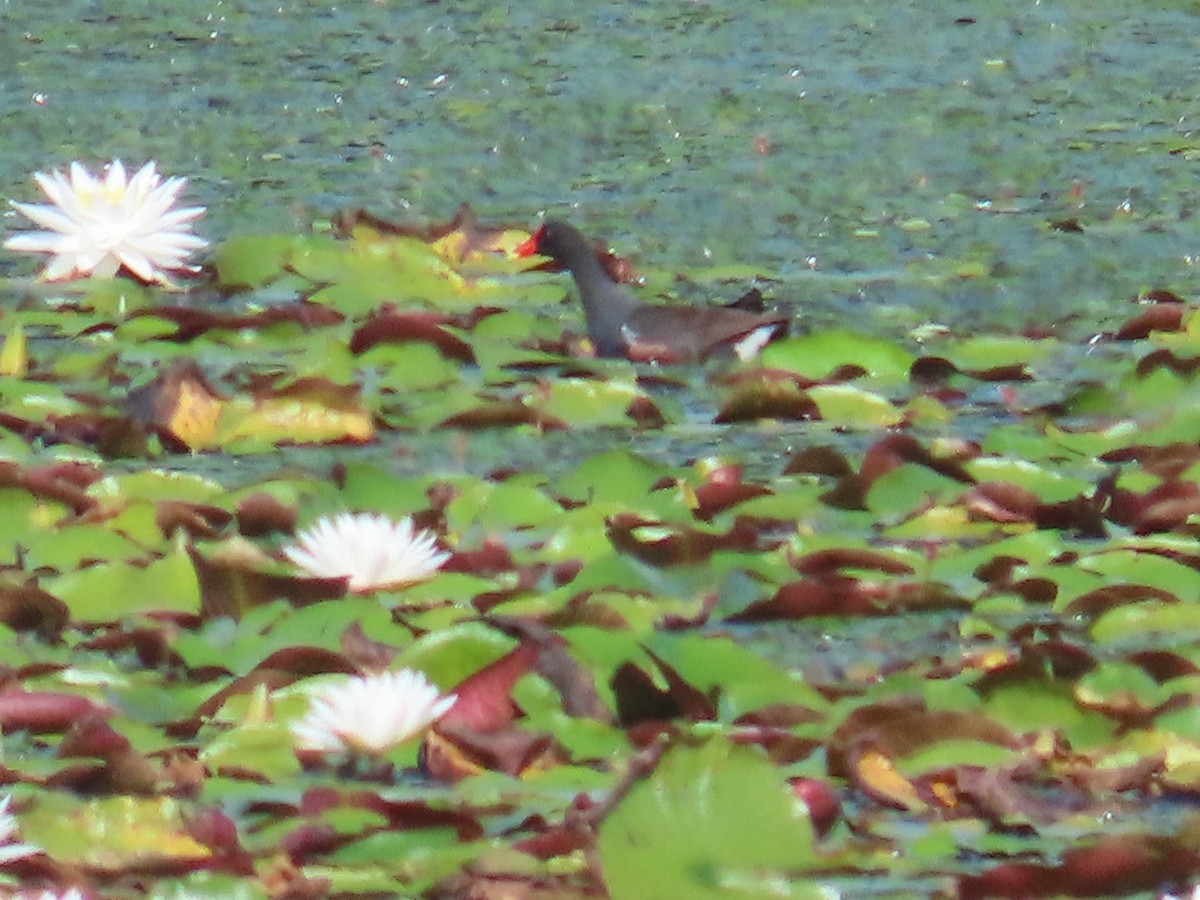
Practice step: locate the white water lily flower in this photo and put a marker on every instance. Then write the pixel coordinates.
(99, 224)
(370, 549)
(10, 848)
(68, 894)
(369, 714)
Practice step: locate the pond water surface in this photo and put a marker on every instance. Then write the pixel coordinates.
(897, 161)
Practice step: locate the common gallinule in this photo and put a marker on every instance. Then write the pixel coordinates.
(620, 326)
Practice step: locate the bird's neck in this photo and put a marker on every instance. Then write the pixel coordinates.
(606, 305)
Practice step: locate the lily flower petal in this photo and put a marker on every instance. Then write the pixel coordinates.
(370, 550)
(97, 226)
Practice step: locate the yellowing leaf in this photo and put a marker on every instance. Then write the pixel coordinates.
(194, 416)
(308, 411)
(14, 356)
(295, 420)
(179, 402)
(112, 832)
(877, 774)
(491, 252)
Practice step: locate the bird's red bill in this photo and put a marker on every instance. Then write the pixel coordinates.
(530, 247)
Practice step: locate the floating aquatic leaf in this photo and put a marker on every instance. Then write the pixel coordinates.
(251, 261)
(819, 356)
(706, 820)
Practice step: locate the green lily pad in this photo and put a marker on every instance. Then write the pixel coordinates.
(851, 406)
(110, 590)
(252, 260)
(817, 355)
(708, 821)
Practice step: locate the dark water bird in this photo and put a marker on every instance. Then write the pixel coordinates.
(618, 325)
